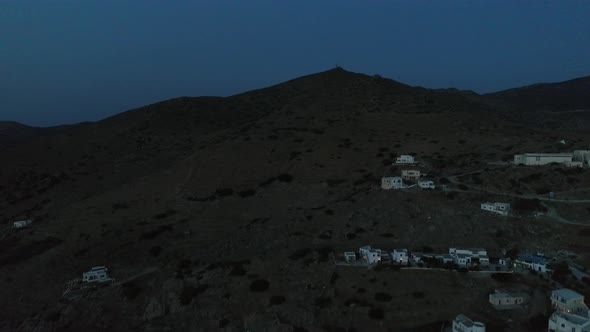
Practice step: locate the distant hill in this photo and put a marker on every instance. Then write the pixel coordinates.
(562, 96)
(12, 133)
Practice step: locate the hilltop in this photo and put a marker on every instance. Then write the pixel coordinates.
(568, 95)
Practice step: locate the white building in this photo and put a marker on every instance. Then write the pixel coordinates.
(502, 297)
(470, 256)
(462, 323)
(350, 256)
(96, 274)
(22, 223)
(571, 312)
(416, 257)
(426, 184)
(536, 159)
(400, 256)
(582, 156)
(391, 182)
(370, 255)
(496, 207)
(532, 262)
(410, 174)
(405, 159)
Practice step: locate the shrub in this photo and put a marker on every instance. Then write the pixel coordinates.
(376, 313)
(224, 192)
(247, 193)
(350, 236)
(165, 214)
(155, 250)
(276, 300)
(189, 292)
(259, 285)
(285, 178)
(383, 297)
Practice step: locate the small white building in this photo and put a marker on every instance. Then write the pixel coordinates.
(96, 274)
(370, 255)
(582, 156)
(501, 297)
(462, 323)
(350, 256)
(405, 159)
(391, 182)
(426, 184)
(410, 174)
(22, 223)
(571, 313)
(532, 262)
(537, 159)
(496, 207)
(400, 256)
(470, 256)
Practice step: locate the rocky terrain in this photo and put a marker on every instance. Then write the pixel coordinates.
(222, 213)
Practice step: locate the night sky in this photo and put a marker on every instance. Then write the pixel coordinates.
(72, 61)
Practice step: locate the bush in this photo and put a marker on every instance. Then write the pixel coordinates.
(285, 178)
(247, 193)
(276, 300)
(376, 313)
(259, 285)
(383, 297)
(155, 250)
(189, 292)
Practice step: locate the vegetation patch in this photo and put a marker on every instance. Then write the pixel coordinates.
(259, 285)
(154, 233)
(189, 292)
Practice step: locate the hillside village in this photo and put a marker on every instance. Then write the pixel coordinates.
(301, 214)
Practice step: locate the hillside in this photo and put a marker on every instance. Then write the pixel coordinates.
(13, 133)
(568, 95)
(222, 212)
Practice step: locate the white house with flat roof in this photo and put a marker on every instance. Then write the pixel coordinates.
(426, 184)
(571, 313)
(405, 159)
(470, 256)
(538, 159)
(96, 274)
(503, 298)
(22, 223)
(410, 174)
(370, 255)
(391, 182)
(496, 207)
(400, 256)
(462, 323)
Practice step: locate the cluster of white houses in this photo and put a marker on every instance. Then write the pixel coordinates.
(461, 256)
(571, 313)
(579, 158)
(408, 174)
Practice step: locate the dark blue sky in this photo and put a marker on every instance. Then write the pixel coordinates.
(71, 61)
